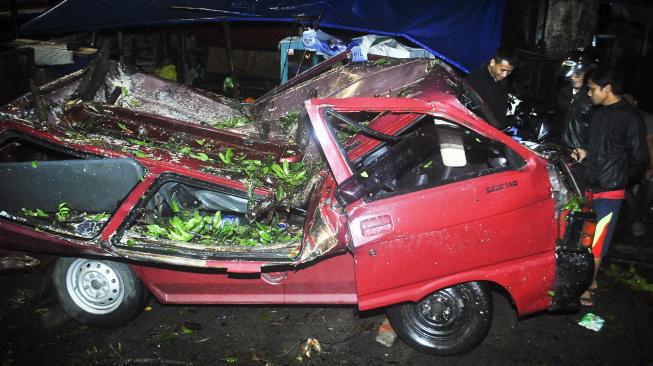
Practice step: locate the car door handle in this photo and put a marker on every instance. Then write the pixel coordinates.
(376, 225)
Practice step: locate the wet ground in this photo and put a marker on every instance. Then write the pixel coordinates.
(35, 331)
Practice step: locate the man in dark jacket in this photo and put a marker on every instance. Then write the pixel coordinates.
(489, 82)
(615, 154)
(575, 106)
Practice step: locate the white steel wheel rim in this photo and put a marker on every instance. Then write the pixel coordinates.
(94, 286)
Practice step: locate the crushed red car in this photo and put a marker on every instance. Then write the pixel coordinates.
(370, 184)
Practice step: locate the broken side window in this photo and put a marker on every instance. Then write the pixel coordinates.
(196, 219)
(432, 153)
(61, 191)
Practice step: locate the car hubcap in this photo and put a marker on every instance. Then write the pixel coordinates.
(441, 314)
(94, 286)
(438, 308)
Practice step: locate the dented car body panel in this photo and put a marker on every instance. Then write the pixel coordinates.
(425, 195)
(469, 220)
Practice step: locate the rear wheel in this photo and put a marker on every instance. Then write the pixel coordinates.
(98, 292)
(447, 322)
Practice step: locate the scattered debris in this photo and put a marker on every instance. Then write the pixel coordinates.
(184, 330)
(289, 121)
(255, 358)
(217, 229)
(592, 322)
(232, 122)
(192, 326)
(630, 278)
(385, 334)
(311, 345)
(155, 361)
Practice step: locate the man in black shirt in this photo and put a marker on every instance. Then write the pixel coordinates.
(490, 84)
(574, 105)
(615, 154)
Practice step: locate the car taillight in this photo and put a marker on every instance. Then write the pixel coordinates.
(587, 237)
(561, 193)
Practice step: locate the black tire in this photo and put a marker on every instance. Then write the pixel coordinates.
(447, 322)
(99, 293)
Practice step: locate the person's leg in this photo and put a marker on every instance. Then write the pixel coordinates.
(602, 208)
(643, 201)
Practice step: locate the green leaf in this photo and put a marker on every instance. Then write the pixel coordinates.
(231, 359)
(217, 219)
(176, 223)
(37, 213)
(265, 236)
(195, 223)
(123, 127)
(181, 235)
(276, 168)
(200, 141)
(185, 330)
(63, 212)
(179, 231)
(427, 164)
(134, 102)
(156, 230)
(98, 217)
(299, 175)
(200, 156)
(288, 121)
(185, 150)
(140, 143)
(231, 122)
(280, 193)
(381, 62)
(34, 164)
(174, 206)
(364, 174)
(229, 155)
(139, 154)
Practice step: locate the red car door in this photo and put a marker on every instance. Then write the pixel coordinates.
(428, 223)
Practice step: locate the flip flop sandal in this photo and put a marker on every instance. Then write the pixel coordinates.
(587, 298)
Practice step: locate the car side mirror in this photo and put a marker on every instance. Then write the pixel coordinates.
(452, 149)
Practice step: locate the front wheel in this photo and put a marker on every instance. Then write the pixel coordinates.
(447, 322)
(98, 292)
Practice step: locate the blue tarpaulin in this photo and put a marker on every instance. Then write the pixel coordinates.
(464, 33)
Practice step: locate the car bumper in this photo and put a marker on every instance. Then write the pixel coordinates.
(574, 264)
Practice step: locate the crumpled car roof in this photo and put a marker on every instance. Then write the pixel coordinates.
(144, 95)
